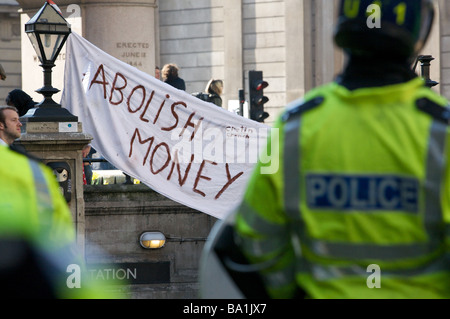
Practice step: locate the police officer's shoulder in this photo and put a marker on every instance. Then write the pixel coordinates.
(19, 149)
(437, 111)
(300, 106)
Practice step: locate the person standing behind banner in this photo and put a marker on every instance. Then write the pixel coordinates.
(170, 76)
(215, 88)
(87, 152)
(21, 100)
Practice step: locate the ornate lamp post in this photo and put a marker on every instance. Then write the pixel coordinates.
(48, 31)
(51, 132)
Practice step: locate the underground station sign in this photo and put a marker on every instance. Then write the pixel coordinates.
(130, 273)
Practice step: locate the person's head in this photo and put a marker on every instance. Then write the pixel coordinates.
(2, 73)
(390, 29)
(21, 100)
(169, 71)
(214, 86)
(157, 73)
(9, 124)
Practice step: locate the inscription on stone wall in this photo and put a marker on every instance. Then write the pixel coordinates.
(133, 53)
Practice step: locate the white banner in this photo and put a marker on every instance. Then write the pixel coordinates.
(190, 151)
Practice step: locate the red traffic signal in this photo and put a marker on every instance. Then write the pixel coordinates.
(257, 99)
(261, 85)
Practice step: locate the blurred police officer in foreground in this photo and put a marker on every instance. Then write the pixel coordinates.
(37, 235)
(360, 207)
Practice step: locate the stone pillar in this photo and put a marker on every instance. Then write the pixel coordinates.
(124, 29)
(445, 48)
(325, 52)
(433, 48)
(299, 47)
(233, 73)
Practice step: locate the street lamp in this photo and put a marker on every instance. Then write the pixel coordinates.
(48, 31)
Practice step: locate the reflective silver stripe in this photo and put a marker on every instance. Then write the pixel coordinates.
(292, 195)
(276, 235)
(44, 200)
(257, 247)
(260, 225)
(435, 167)
(433, 214)
(323, 272)
(281, 278)
(291, 167)
(291, 146)
(369, 251)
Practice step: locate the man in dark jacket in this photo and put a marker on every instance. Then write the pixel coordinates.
(170, 76)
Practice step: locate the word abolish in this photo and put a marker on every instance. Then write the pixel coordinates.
(139, 101)
(351, 192)
(155, 116)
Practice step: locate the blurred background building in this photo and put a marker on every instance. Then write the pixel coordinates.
(288, 40)
(10, 30)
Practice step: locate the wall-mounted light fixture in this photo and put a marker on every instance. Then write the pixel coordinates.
(152, 240)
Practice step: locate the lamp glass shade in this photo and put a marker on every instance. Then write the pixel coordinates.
(47, 14)
(35, 43)
(47, 31)
(51, 44)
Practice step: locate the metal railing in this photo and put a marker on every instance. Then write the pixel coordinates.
(101, 180)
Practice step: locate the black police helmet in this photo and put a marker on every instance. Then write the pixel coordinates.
(398, 28)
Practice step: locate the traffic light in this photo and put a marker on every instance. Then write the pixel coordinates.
(241, 102)
(256, 96)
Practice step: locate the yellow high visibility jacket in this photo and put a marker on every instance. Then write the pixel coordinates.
(31, 203)
(359, 206)
(33, 211)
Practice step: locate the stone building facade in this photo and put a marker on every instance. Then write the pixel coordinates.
(10, 30)
(290, 41)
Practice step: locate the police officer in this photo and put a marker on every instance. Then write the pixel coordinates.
(29, 191)
(37, 235)
(360, 207)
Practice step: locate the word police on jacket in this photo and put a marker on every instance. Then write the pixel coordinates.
(362, 192)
